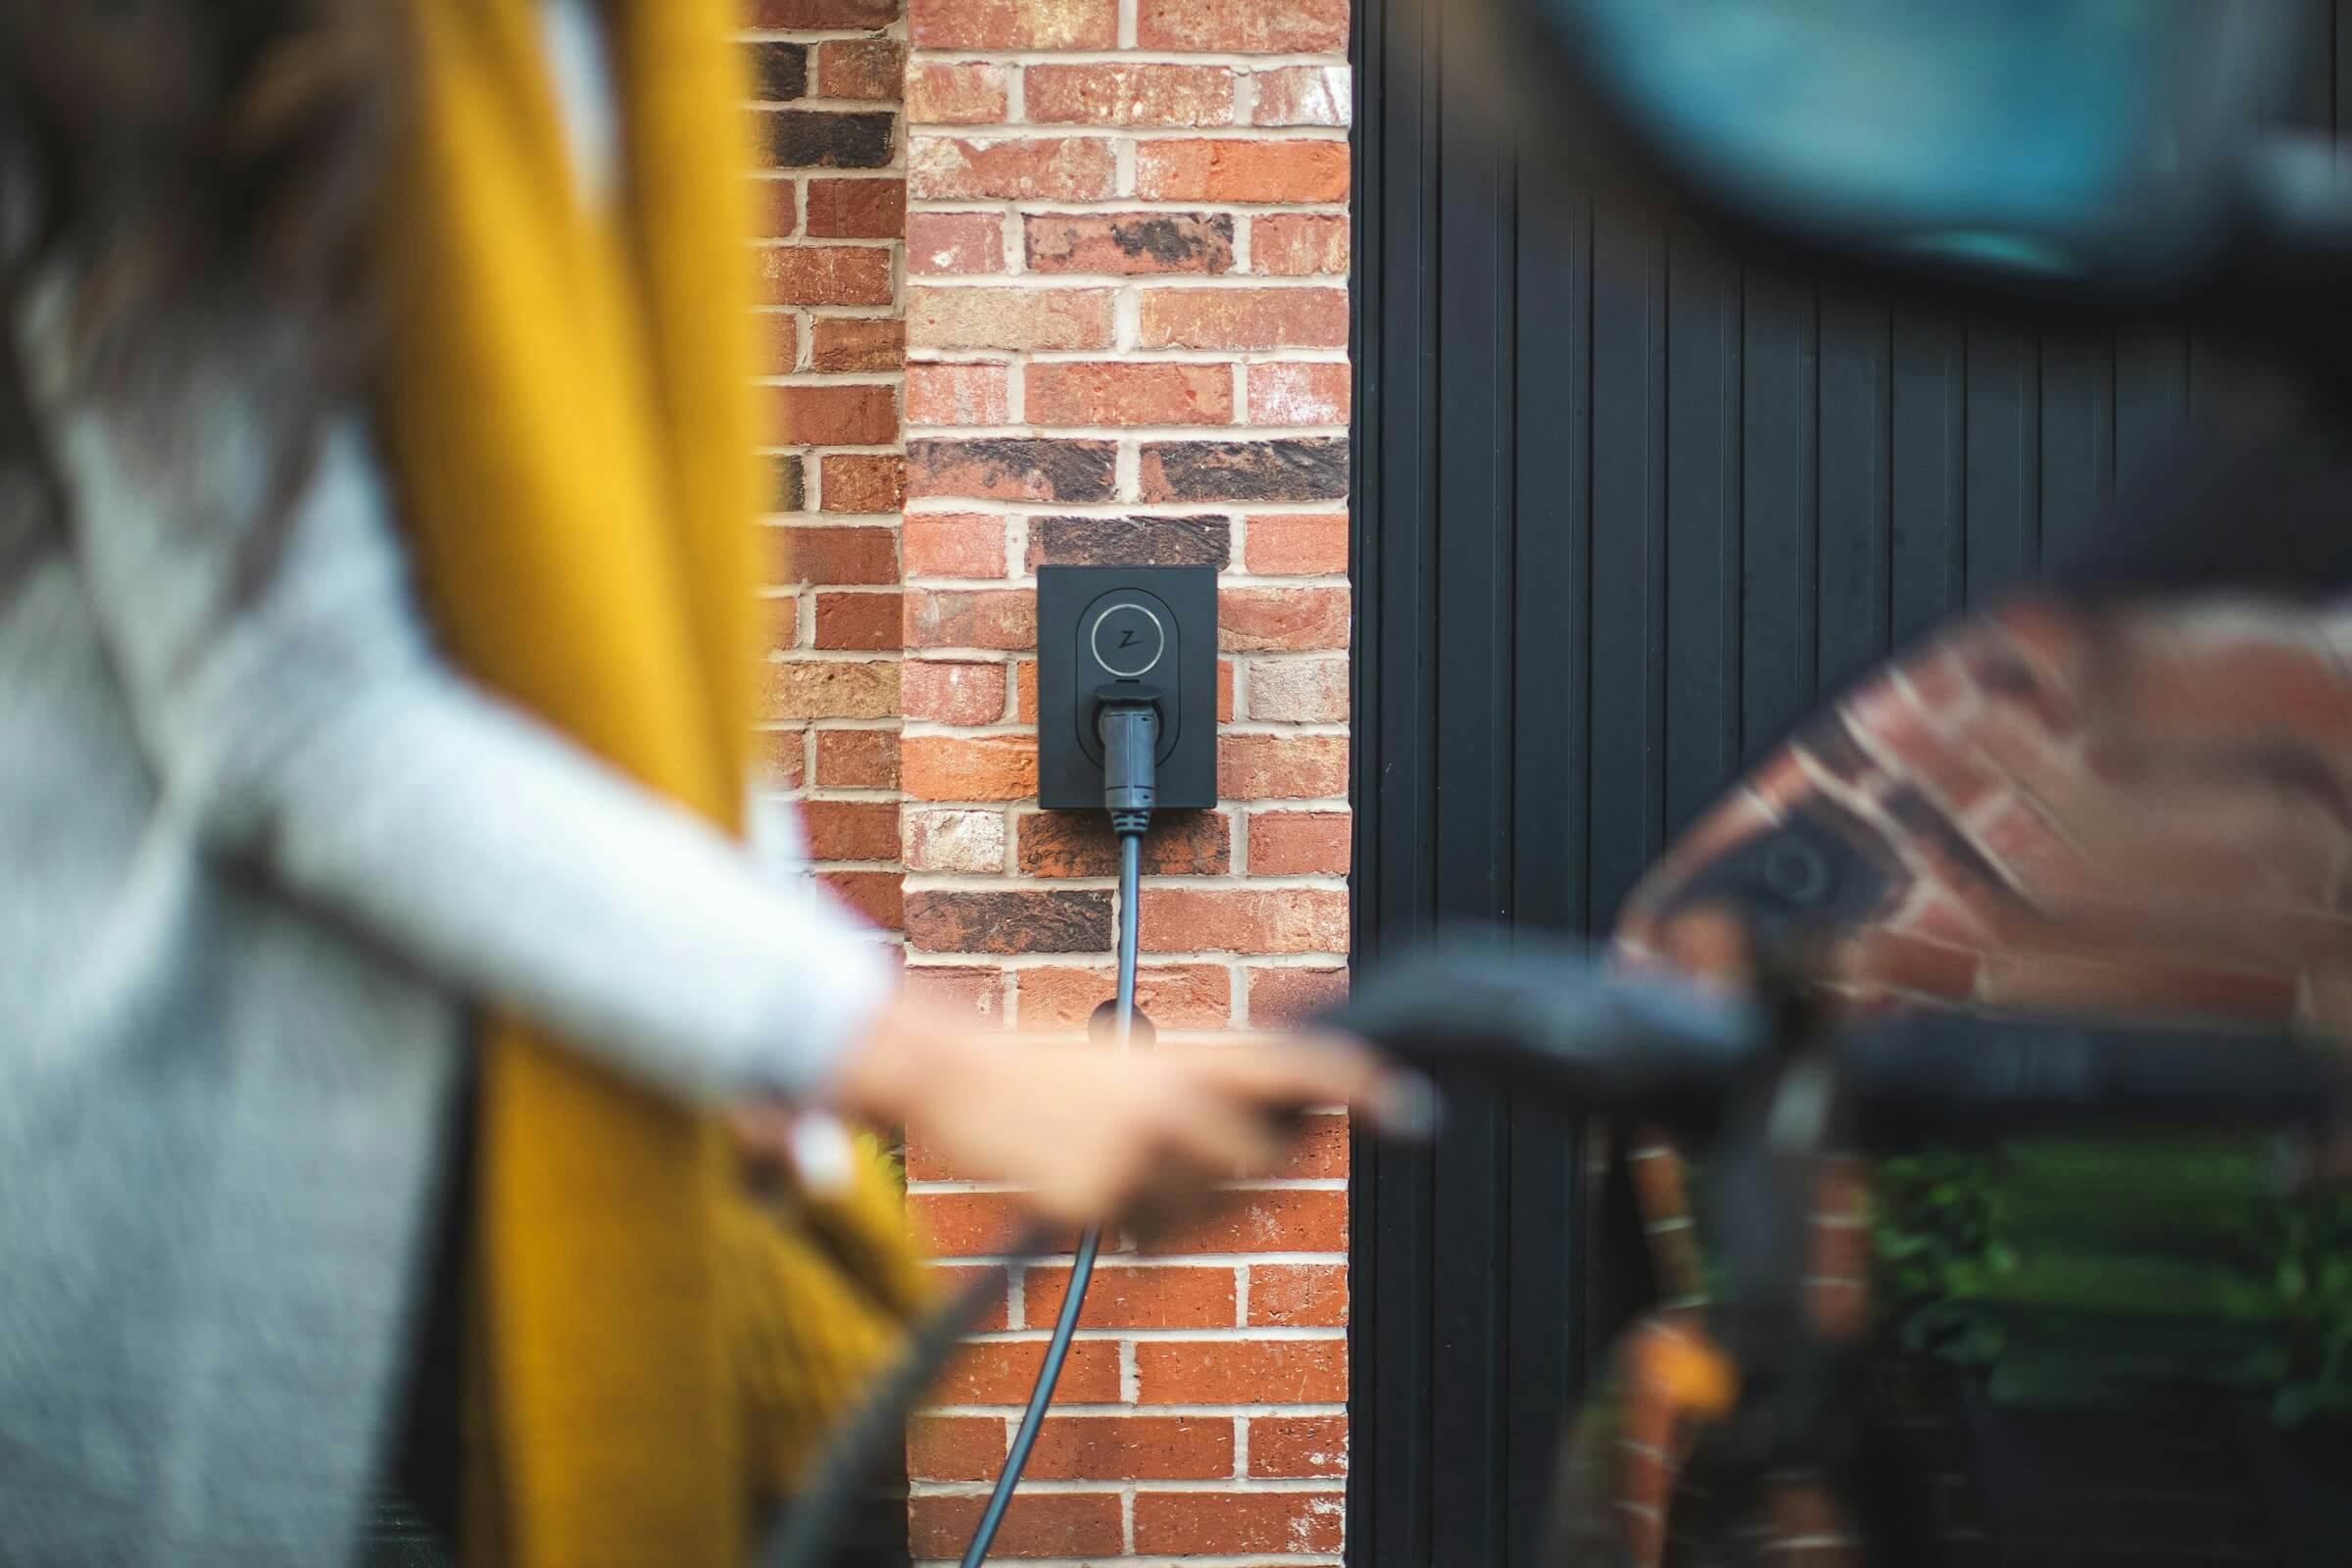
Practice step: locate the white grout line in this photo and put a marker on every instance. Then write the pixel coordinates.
(1323, 1486)
(1253, 1560)
(1072, 1407)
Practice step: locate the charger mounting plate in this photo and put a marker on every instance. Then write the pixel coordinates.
(1102, 630)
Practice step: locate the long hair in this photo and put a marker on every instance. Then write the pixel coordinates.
(173, 147)
(188, 161)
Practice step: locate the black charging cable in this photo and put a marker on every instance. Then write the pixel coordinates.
(1129, 729)
(1128, 724)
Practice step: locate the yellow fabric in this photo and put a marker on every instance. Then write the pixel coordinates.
(566, 404)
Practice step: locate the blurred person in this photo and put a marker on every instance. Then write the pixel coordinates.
(377, 640)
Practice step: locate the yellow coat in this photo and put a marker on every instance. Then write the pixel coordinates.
(569, 411)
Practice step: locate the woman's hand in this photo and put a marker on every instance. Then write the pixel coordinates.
(1096, 1135)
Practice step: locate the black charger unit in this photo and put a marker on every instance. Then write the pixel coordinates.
(1126, 634)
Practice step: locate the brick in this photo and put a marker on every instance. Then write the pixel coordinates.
(876, 895)
(825, 275)
(1129, 542)
(1085, 392)
(1037, 1524)
(1125, 94)
(1899, 961)
(1282, 619)
(855, 344)
(960, 394)
(1282, 767)
(781, 617)
(779, 342)
(779, 71)
(1122, 1298)
(2036, 982)
(836, 555)
(863, 482)
(1299, 843)
(1317, 393)
(1298, 1295)
(1176, 996)
(958, 840)
(1295, 1446)
(856, 208)
(1238, 1523)
(1024, 690)
(857, 759)
(1013, 468)
(1023, 920)
(948, 545)
(1318, 1149)
(1242, 1372)
(851, 830)
(1244, 318)
(922, 1163)
(1298, 245)
(1013, 23)
(955, 1278)
(1840, 1252)
(1133, 1447)
(956, 1447)
(1314, 545)
(1299, 691)
(1008, 317)
(1063, 168)
(870, 69)
(829, 138)
(777, 204)
(1003, 1371)
(1129, 244)
(783, 758)
(1242, 27)
(1304, 95)
(971, 995)
(787, 486)
(831, 688)
(1241, 171)
(965, 1224)
(1266, 1220)
(853, 416)
(969, 767)
(1294, 469)
(1242, 919)
(953, 693)
(1058, 844)
(952, 243)
(958, 93)
(963, 617)
(796, 16)
(866, 622)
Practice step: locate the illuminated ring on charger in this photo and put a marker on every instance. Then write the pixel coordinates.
(1151, 656)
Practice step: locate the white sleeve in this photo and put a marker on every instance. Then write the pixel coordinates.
(294, 708)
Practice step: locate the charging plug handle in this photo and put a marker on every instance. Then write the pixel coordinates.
(1128, 725)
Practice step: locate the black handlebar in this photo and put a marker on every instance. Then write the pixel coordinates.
(1555, 1023)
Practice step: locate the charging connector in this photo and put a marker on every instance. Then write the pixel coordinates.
(1129, 727)
(1128, 724)
(1133, 724)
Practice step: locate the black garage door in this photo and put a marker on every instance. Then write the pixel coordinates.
(1625, 512)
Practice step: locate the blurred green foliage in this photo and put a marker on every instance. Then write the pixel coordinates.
(2076, 1273)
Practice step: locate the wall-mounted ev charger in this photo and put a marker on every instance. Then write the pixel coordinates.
(1111, 635)
(1126, 724)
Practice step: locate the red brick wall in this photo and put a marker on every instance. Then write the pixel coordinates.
(828, 78)
(1127, 328)
(1123, 292)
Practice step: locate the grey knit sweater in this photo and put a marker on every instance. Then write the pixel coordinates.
(259, 848)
